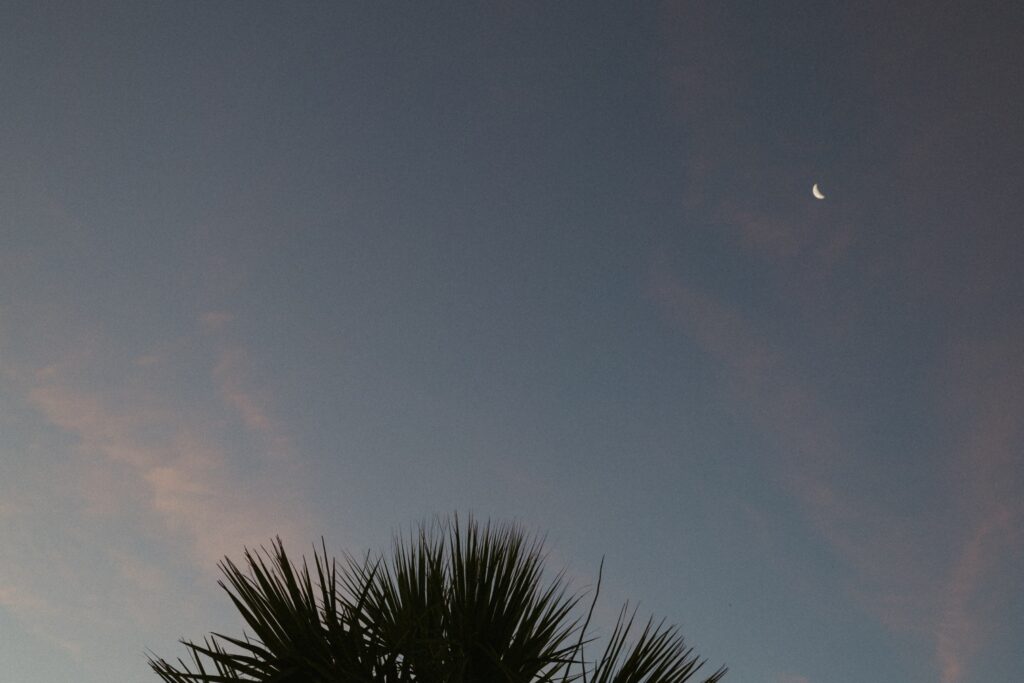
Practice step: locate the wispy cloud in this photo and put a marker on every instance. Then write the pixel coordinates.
(21, 600)
(907, 238)
(148, 487)
(216, 320)
(988, 389)
(232, 377)
(186, 474)
(887, 552)
(961, 628)
(8, 509)
(32, 607)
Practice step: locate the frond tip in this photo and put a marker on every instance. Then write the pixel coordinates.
(452, 603)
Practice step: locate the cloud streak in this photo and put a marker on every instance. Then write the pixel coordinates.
(888, 551)
(186, 474)
(989, 388)
(145, 487)
(910, 246)
(231, 376)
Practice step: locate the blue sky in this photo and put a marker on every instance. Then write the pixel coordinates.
(332, 269)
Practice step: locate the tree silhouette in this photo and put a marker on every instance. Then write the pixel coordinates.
(452, 605)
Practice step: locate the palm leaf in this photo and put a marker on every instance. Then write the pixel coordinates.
(452, 604)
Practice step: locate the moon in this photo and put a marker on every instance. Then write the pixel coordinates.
(816, 192)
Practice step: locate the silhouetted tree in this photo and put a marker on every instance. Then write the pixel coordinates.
(452, 605)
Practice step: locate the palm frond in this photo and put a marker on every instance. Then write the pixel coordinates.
(452, 604)
(659, 655)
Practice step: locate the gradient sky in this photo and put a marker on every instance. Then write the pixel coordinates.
(330, 269)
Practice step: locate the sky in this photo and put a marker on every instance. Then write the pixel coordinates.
(330, 269)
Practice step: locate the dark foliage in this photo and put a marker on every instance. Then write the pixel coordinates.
(451, 606)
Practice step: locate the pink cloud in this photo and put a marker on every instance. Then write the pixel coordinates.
(146, 576)
(216, 320)
(936, 249)
(31, 608)
(993, 399)
(757, 374)
(100, 429)
(232, 378)
(960, 630)
(148, 360)
(21, 600)
(176, 467)
(895, 578)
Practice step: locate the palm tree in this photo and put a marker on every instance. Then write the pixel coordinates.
(451, 606)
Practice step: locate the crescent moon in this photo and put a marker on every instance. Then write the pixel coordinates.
(816, 192)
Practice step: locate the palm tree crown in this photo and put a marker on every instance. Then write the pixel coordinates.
(452, 605)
